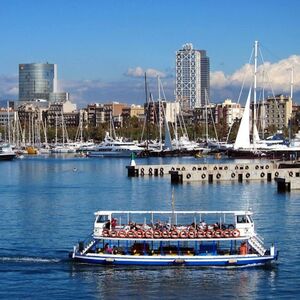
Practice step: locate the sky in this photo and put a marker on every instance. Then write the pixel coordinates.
(102, 48)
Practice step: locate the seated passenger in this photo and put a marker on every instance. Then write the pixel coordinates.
(168, 226)
(113, 223)
(107, 225)
(216, 226)
(107, 249)
(203, 225)
(243, 248)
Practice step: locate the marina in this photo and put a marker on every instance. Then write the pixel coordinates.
(149, 150)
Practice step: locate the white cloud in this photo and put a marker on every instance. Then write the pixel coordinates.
(131, 88)
(276, 76)
(9, 87)
(140, 72)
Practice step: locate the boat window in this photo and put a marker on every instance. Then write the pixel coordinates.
(102, 219)
(250, 219)
(242, 219)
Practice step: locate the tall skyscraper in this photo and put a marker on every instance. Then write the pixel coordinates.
(37, 81)
(192, 77)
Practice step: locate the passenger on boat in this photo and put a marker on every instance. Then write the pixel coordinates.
(243, 248)
(158, 225)
(203, 225)
(113, 223)
(216, 226)
(107, 225)
(192, 226)
(107, 249)
(132, 225)
(114, 250)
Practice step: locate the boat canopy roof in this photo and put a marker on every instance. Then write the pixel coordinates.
(235, 212)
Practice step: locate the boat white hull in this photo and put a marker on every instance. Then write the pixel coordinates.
(112, 153)
(167, 260)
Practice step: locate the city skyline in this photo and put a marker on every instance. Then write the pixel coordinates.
(102, 49)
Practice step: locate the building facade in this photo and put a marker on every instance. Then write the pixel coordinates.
(66, 111)
(163, 111)
(228, 112)
(192, 77)
(104, 113)
(275, 111)
(38, 83)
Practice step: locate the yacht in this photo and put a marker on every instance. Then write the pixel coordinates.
(6, 152)
(115, 148)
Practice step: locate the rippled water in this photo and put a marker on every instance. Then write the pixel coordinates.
(47, 206)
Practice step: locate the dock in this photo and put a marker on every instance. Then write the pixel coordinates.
(182, 173)
(288, 184)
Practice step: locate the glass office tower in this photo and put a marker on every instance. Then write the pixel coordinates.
(37, 81)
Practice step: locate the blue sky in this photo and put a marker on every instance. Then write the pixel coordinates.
(100, 45)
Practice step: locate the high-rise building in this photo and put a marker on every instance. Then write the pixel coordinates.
(192, 77)
(38, 82)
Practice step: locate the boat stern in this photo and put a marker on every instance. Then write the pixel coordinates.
(72, 254)
(274, 252)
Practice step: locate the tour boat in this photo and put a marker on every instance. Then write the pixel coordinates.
(165, 238)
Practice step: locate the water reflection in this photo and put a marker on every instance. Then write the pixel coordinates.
(47, 208)
(173, 282)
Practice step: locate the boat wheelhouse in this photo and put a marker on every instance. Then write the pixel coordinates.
(192, 238)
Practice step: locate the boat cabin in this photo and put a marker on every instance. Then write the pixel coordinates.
(123, 220)
(102, 221)
(244, 223)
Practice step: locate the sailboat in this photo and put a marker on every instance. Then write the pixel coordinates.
(243, 148)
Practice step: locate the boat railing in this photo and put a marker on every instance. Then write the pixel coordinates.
(173, 232)
(259, 238)
(84, 244)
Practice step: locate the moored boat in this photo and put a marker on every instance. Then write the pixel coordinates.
(226, 238)
(6, 152)
(115, 148)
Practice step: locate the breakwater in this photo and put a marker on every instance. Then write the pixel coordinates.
(219, 172)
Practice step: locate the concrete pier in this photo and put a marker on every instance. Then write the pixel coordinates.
(181, 173)
(288, 184)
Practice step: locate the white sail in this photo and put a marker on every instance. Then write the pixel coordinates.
(243, 136)
(255, 134)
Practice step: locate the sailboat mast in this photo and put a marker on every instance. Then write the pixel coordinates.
(56, 124)
(254, 88)
(81, 125)
(8, 123)
(206, 118)
(148, 113)
(159, 114)
(292, 82)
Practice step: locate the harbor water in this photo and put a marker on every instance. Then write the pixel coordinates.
(47, 206)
